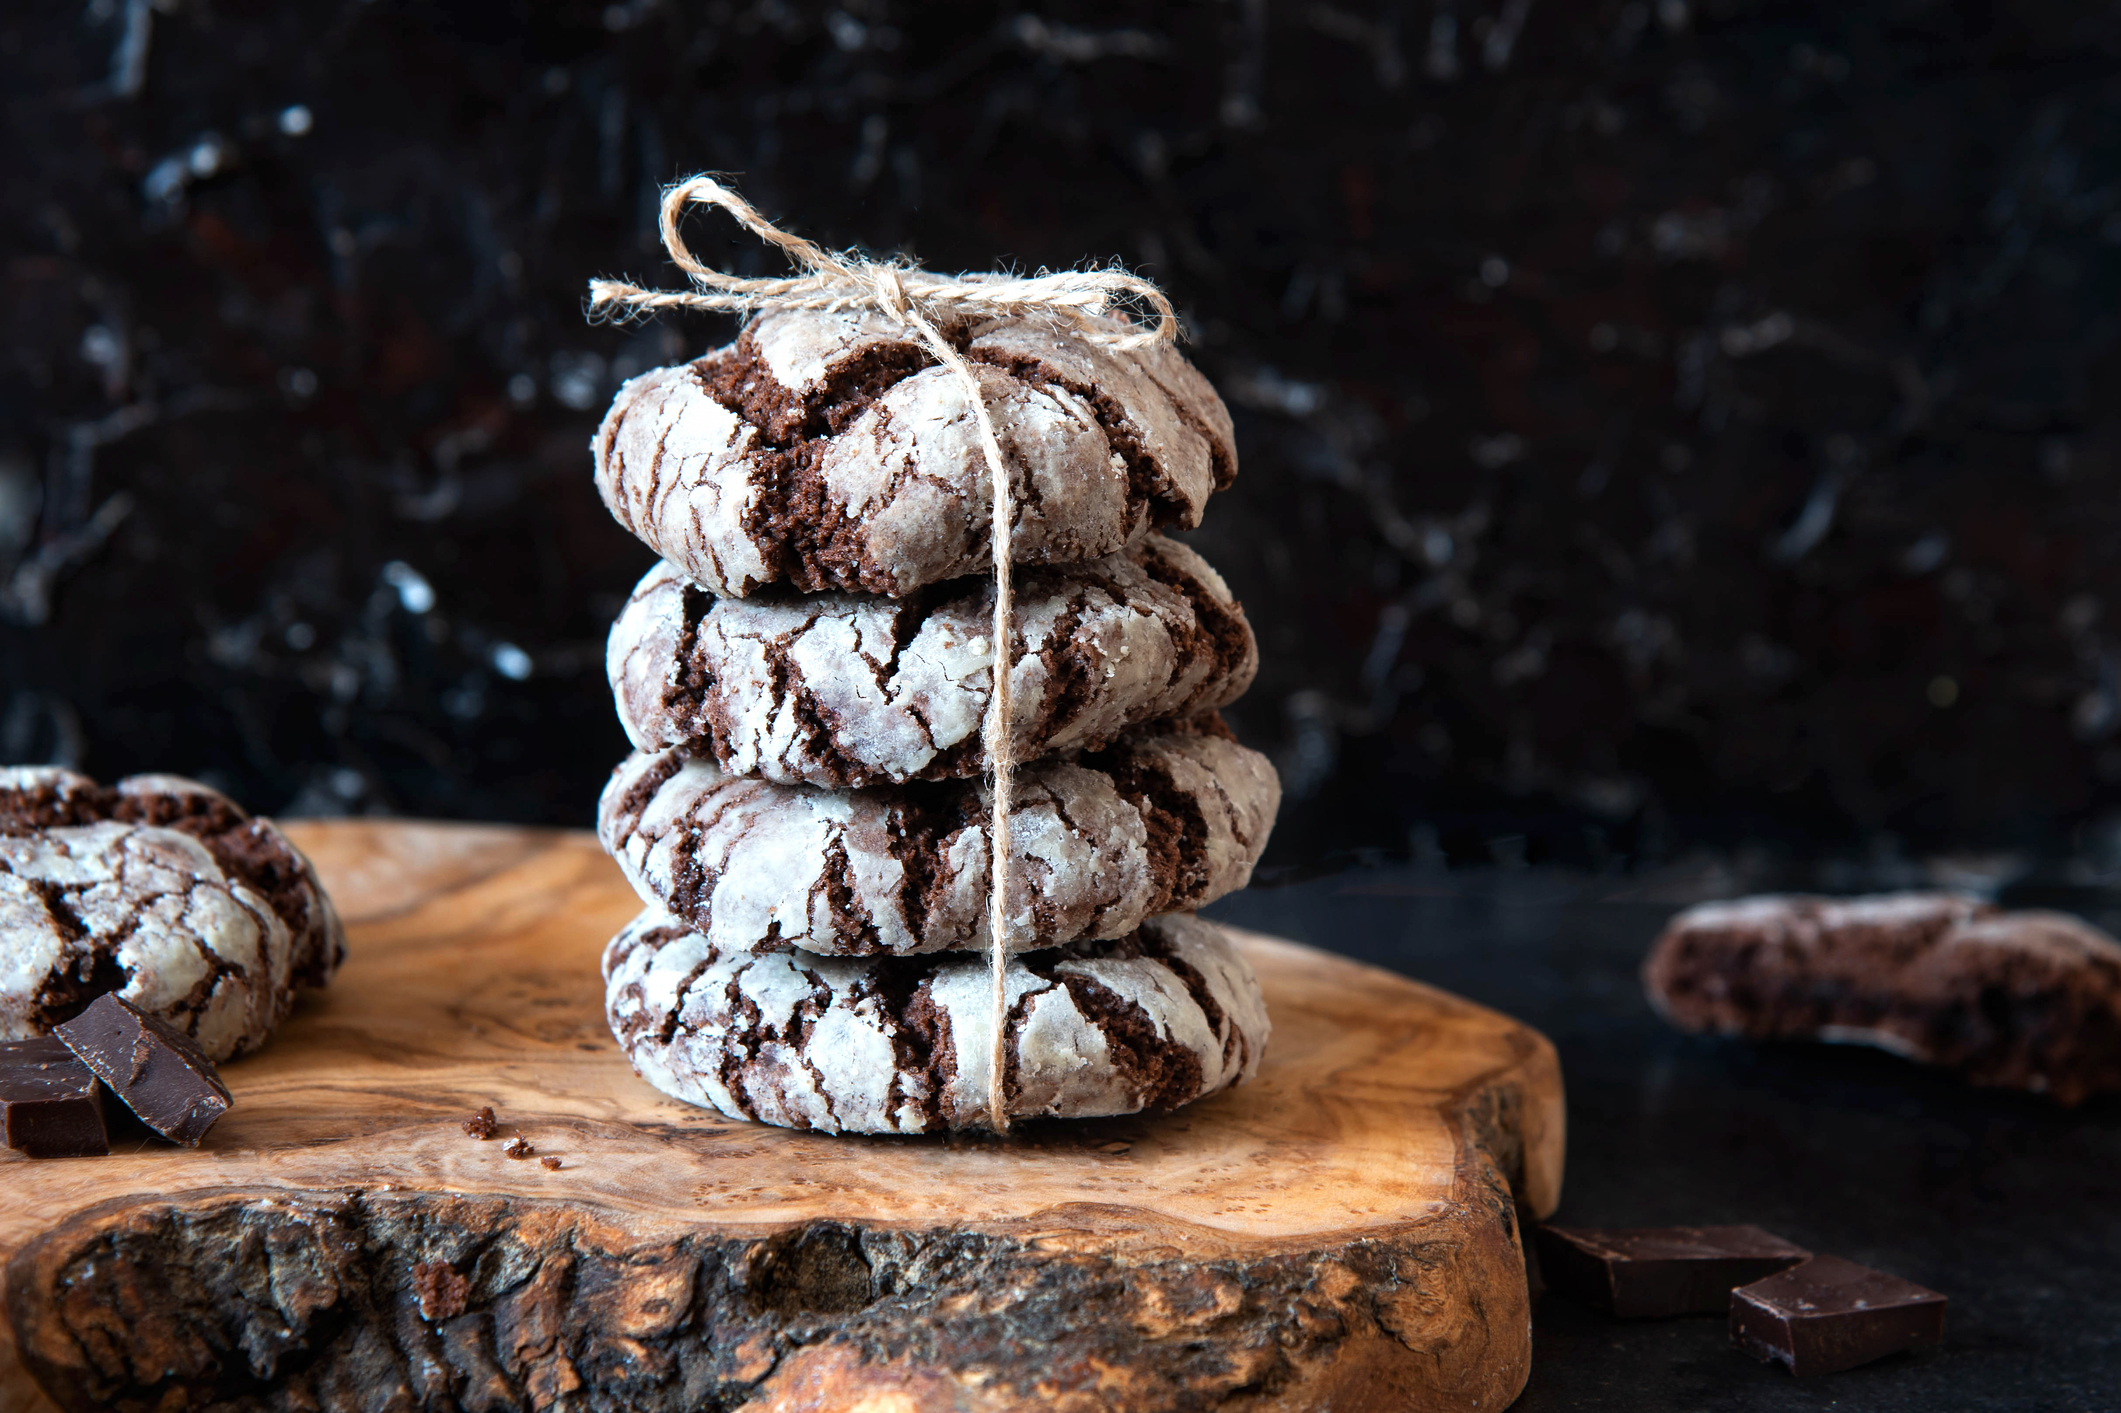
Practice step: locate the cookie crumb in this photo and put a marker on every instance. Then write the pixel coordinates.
(549, 1162)
(519, 1147)
(482, 1124)
(441, 1291)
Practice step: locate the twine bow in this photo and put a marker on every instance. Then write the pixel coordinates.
(1082, 301)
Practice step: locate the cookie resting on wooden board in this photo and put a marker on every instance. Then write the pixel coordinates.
(162, 890)
(1169, 818)
(857, 689)
(831, 451)
(2027, 1000)
(1340, 1232)
(1153, 1020)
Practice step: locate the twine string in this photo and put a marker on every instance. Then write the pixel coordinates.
(838, 282)
(1083, 301)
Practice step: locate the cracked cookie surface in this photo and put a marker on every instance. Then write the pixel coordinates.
(831, 452)
(2028, 1000)
(857, 689)
(162, 890)
(1155, 1019)
(1167, 818)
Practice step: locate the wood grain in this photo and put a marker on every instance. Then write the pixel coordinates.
(1343, 1231)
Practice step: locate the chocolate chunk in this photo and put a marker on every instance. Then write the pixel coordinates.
(51, 1102)
(482, 1124)
(159, 1073)
(1651, 1272)
(519, 1147)
(550, 1164)
(1828, 1314)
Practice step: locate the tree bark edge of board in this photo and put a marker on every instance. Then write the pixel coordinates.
(287, 1299)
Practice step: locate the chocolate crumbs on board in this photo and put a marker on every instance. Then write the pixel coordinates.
(441, 1291)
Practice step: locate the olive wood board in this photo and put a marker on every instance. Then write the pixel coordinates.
(1342, 1232)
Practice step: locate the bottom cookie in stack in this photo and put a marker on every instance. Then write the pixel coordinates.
(1168, 1014)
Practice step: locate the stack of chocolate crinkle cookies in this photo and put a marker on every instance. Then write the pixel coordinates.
(806, 676)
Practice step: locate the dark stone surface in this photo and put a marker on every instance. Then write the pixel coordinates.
(2007, 1204)
(1661, 422)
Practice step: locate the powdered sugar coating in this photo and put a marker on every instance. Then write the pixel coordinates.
(1164, 820)
(900, 1045)
(181, 904)
(852, 689)
(828, 451)
(197, 948)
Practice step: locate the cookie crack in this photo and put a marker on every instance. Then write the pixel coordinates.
(849, 920)
(1164, 1074)
(669, 1029)
(1147, 483)
(738, 1045)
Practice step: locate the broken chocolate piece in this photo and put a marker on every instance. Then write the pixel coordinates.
(1828, 1314)
(160, 1074)
(549, 1163)
(482, 1124)
(519, 1147)
(1651, 1272)
(51, 1102)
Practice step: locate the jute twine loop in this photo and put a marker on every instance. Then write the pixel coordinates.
(834, 282)
(915, 299)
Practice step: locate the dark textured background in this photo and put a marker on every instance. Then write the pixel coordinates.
(1663, 426)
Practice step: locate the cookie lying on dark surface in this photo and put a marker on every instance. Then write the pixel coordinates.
(831, 451)
(1166, 819)
(2028, 1000)
(159, 889)
(853, 689)
(1153, 1020)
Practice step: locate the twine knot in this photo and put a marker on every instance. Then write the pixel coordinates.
(1083, 301)
(890, 292)
(1106, 307)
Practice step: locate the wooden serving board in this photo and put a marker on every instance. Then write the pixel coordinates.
(1341, 1233)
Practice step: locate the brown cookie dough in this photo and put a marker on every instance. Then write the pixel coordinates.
(1165, 819)
(1151, 1020)
(162, 890)
(857, 689)
(2029, 1000)
(830, 451)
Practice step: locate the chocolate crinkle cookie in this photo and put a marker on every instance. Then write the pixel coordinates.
(1165, 819)
(2027, 1000)
(856, 689)
(1152, 1020)
(831, 451)
(162, 890)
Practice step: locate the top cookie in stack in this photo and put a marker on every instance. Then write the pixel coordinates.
(806, 678)
(831, 451)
